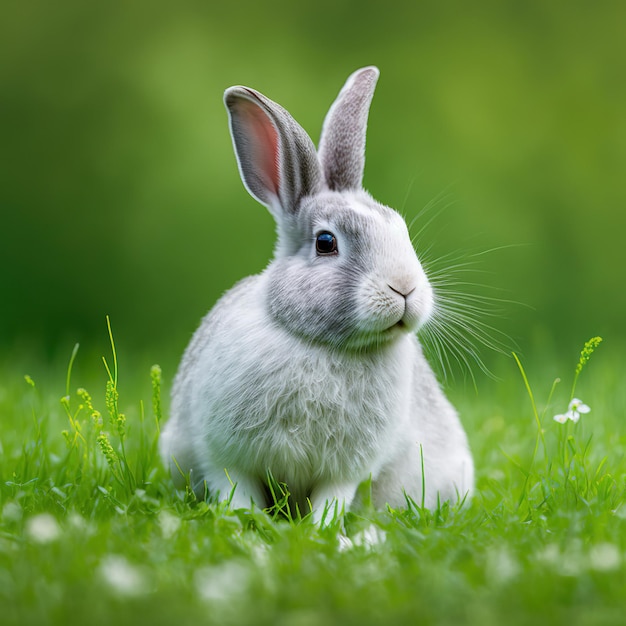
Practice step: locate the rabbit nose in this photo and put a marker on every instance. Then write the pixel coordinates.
(403, 289)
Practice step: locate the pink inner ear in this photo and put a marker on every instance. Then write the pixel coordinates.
(263, 143)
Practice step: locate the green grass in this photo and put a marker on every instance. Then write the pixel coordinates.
(92, 532)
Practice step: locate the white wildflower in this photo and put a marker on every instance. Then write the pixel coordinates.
(562, 417)
(502, 565)
(12, 512)
(222, 583)
(123, 577)
(43, 528)
(575, 408)
(78, 523)
(169, 524)
(605, 557)
(550, 555)
(569, 562)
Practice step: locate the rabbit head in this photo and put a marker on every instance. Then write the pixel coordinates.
(345, 272)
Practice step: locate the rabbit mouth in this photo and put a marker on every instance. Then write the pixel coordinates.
(407, 323)
(400, 326)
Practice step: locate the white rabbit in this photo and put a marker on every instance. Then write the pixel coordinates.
(312, 369)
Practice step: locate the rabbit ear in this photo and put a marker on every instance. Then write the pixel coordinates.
(277, 159)
(342, 144)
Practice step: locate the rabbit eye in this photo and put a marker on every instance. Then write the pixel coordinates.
(326, 243)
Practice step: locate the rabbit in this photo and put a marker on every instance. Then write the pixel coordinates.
(312, 370)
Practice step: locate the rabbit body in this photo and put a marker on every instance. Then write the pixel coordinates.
(312, 369)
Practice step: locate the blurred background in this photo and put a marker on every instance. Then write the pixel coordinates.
(119, 192)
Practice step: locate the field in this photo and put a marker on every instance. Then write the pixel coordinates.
(92, 531)
(497, 129)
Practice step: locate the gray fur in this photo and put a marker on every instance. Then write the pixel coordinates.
(312, 369)
(296, 160)
(342, 143)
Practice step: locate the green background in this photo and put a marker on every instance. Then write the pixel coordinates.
(119, 192)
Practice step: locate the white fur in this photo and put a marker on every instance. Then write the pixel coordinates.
(312, 370)
(322, 422)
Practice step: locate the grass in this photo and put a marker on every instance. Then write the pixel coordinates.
(91, 530)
